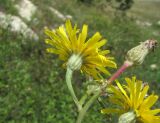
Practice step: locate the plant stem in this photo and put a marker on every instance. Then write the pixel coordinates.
(69, 84)
(83, 99)
(84, 109)
(86, 106)
(119, 71)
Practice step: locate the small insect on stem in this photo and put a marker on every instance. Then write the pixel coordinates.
(151, 44)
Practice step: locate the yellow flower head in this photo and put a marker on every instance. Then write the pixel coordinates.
(69, 43)
(133, 97)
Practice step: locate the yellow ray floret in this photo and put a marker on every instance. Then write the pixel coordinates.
(133, 97)
(67, 40)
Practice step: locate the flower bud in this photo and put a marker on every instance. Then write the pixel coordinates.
(92, 89)
(74, 62)
(137, 54)
(129, 117)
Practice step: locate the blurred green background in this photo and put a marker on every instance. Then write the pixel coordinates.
(32, 83)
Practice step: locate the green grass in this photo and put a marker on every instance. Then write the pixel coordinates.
(32, 84)
(7, 6)
(146, 10)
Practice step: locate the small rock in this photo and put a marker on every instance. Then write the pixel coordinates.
(26, 9)
(57, 13)
(153, 67)
(15, 24)
(148, 24)
(143, 23)
(158, 23)
(68, 16)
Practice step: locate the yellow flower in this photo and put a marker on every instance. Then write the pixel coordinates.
(133, 97)
(68, 42)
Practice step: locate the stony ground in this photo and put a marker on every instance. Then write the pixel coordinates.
(32, 88)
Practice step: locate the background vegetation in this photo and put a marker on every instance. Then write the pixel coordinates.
(32, 85)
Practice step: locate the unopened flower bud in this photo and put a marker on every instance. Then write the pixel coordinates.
(137, 54)
(129, 117)
(75, 62)
(92, 89)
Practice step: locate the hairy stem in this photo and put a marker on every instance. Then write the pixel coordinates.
(84, 109)
(69, 84)
(119, 71)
